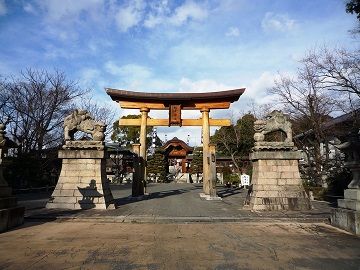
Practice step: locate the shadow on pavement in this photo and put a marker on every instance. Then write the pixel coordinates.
(42, 216)
(228, 192)
(153, 195)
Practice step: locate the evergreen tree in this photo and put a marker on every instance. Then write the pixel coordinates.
(236, 140)
(156, 165)
(197, 162)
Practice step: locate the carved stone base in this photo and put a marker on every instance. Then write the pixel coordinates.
(82, 183)
(347, 216)
(276, 182)
(278, 146)
(98, 145)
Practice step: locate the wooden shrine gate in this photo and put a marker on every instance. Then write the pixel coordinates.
(175, 103)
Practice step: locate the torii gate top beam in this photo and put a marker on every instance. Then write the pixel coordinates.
(188, 101)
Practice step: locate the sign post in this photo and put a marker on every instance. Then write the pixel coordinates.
(245, 180)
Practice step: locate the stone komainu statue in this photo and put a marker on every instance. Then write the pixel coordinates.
(275, 121)
(81, 120)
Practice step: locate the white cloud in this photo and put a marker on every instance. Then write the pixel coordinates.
(69, 10)
(29, 8)
(89, 76)
(153, 20)
(3, 8)
(137, 77)
(157, 15)
(233, 32)
(187, 11)
(206, 85)
(129, 15)
(54, 52)
(277, 22)
(129, 71)
(160, 13)
(257, 88)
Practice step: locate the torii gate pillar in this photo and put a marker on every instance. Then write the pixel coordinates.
(144, 116)
(206, 141)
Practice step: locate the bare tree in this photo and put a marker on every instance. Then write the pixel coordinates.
(309, 104)
(260, 110)
(336, 70)
(39, 101)
(4, 101)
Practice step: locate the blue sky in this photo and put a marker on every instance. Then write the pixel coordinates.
(168, 45)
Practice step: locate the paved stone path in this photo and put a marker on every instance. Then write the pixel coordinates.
(245, 245)
(177, 203)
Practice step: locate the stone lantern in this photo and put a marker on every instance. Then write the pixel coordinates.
(347, 215)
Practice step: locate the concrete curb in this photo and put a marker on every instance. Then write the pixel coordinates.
(162, 219)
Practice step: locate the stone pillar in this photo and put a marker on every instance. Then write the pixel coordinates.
(276, 181)
(347, 215)
(206, 141)
(212, 175)
(82, 183)
(138, 174)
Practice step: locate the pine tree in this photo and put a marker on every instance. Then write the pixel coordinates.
(197, 162)
(156, 165)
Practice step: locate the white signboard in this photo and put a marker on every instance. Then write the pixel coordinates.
(245, 180)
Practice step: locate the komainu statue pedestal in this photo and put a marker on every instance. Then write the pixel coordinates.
(276, 182)
(82, 183)
(276, 179)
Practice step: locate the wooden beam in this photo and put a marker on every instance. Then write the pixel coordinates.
(184, 122)
(184, 106)
(139, 105)
(213, 122)
(210, 105)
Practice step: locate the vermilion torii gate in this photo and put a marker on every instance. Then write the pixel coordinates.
(175, 103)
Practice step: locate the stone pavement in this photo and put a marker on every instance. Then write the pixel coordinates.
(175, 203)
(173, 228)
(241, 245)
